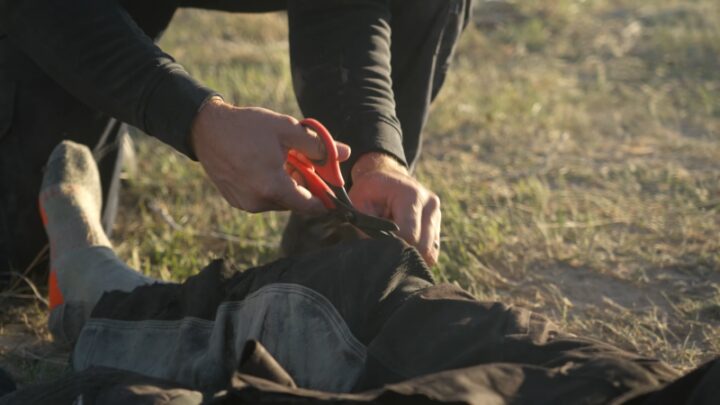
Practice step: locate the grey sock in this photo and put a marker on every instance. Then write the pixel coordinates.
(84, 275)
(71, 199)
(83, 264)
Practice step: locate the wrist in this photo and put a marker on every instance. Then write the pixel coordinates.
(206, 114)
(376, 161)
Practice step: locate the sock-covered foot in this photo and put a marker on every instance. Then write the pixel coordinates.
(83, 265)
(70, 203)
(71, 199)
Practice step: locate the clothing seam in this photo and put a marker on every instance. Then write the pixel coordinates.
(384, 360)
(330, 313)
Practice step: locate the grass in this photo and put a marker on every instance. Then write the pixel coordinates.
(575, 147)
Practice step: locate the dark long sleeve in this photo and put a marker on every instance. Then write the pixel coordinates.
(96, 52)
(340, 57)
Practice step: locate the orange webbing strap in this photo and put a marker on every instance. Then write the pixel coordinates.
(55, 296)
(43, 215)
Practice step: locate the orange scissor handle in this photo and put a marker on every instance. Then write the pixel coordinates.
(313, 182)
(329, 167)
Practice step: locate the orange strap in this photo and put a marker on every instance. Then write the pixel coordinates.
(54, 294)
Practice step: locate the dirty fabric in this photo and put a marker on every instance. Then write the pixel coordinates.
(359, 322)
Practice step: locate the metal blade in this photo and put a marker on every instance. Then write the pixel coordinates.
(373, 226)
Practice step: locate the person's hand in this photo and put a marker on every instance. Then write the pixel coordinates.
(243, 151)
(383, 187)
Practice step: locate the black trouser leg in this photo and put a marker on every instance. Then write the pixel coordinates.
(36, 114)
(43, 114)
(424, 34)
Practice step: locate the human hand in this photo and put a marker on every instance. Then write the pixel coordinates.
(383, 187)
(243, 150)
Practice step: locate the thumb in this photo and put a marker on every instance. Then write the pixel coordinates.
(294, 197)
(343, 151)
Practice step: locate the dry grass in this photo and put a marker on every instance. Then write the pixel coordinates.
(590, 180)
(575, 146)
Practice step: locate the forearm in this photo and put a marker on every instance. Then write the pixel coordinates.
(96, 52)
(340, 54)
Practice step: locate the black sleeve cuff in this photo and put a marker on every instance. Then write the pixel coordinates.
(370, 132)
(172, 106)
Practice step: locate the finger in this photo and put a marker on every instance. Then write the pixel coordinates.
(289, 168)
(294, 174)
(363, 200)
(299, 156)
(408, 218)
(299, 179)
(295, 136)
(289, 195)
(343, 151)
(429, 244)
(253, 205)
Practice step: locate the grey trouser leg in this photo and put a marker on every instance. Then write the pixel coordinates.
(353, 318)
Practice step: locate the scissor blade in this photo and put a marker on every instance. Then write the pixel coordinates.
(373, 226)
(342, 195)
(375, 234)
